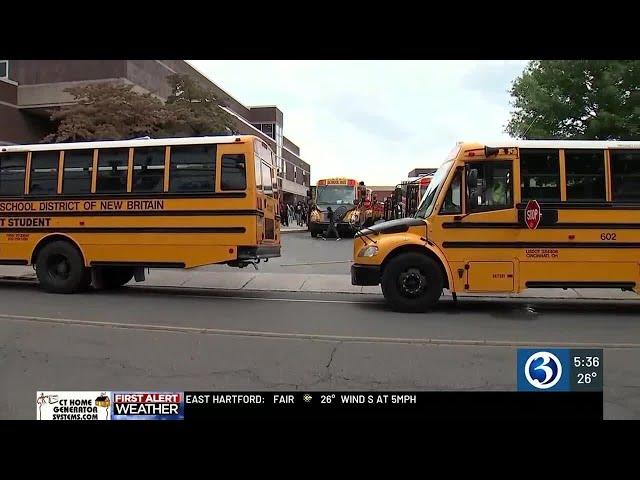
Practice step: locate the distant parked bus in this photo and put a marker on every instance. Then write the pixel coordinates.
(349, 199)
(103, 211)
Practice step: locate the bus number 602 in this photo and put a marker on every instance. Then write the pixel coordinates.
(607, 236)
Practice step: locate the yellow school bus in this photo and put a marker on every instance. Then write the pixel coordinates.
(509, 216)
(101, 212)
(350, 200)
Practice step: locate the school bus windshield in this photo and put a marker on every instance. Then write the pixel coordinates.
(429, 197)
(335, 195)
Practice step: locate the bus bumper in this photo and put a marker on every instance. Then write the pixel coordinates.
(365, 275)
(263, 251)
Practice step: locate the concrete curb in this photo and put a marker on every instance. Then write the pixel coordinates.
(317, 284)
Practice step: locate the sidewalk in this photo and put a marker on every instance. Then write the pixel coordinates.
(293, 228)
(255, 280)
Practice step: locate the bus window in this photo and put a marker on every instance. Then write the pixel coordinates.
(258, 170)
(585, 175)
(540, 175)
(44, 173)
(77, 171)
(267, 181)
(233, 172)
(113, 168)
(494, 187)
(12, 173)
(148, 169)
(452, 202)
(625, 175)
(193, 168)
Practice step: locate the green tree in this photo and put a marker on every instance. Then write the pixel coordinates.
(107, 111)
(577, 99)
(194, 110)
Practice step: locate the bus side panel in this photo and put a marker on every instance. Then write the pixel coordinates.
(615, 272)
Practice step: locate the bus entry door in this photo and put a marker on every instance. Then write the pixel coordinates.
(489, 276)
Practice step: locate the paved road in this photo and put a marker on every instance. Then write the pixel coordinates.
(303, 254)
(141, 338)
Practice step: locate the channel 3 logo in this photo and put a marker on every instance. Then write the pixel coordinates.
(543, 370)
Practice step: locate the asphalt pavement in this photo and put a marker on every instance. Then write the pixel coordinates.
(145, 338)
(303, 254)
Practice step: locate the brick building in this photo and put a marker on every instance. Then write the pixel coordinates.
(31, 89)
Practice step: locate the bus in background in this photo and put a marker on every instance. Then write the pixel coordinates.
(413, 190)
(101, 212)
(406, 197)
(510, 216)
(350, 201)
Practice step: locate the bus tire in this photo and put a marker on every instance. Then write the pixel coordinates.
(412, 282)
(108, 278)
(60, 268)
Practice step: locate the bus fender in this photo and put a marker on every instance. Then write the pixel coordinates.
(433, 248)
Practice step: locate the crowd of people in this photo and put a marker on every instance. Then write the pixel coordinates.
(294, 213)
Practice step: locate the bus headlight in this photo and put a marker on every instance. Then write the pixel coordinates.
(368, 251)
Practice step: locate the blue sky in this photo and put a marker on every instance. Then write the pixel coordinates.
(375, 120)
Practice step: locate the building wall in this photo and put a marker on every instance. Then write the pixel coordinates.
(34, 72)
(20, 127)
(288, 144)
(382, 192)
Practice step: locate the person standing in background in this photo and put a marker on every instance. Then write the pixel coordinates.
(284, 217)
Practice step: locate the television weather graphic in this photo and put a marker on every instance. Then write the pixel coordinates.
(543, 370)
(148, 406)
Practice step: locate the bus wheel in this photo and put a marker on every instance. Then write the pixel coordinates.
(60, 268)
(108, 278)
(412, 282)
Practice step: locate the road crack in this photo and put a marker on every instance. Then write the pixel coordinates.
(328, 365)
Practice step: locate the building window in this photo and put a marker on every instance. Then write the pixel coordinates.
(113, 169)
(148, 169)
(625, 175)
(12, 173)
(234, 172)
(266, 128)
(4, 69)
(585, 175)
(44, 173)
(78, 168)
(295, 174)
(540, 175)
(193, 168)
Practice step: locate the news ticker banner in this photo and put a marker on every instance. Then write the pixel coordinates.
(551, 383)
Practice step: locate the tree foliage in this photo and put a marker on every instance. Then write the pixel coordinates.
(107, 111)
(577, 99)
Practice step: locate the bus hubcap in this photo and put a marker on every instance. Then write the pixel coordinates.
(412, 282)
(59, 267)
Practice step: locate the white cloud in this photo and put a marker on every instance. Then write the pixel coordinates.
(375, 120)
